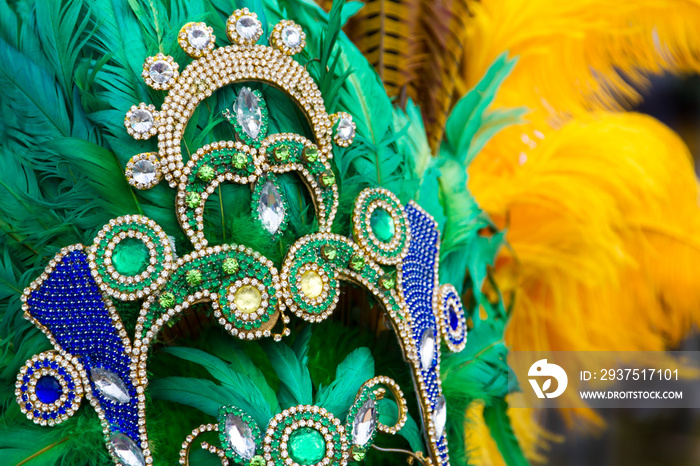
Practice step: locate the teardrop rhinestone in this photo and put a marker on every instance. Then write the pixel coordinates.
(364, 424)
(126, 450)
(144, 172)
(382, 225)
(427, 349)
(239, 436)
(198, 37)
(440, 415)
(270, 207)
(291, 36)
(346, 129)
(161, 71)
(141, 120)
(248, 112)
(110, 385)
(247, 27)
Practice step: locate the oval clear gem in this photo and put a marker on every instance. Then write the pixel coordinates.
(291, 36)
(126, 450)
(160, 71)
(247, 27)
(198, 37)
(364, 424)
(427, 349)
(141, 120)
(240, 436)
(440, 415)
(248, 112)
(143, 171)
(270, 207)
(346, 129)
(110, 385)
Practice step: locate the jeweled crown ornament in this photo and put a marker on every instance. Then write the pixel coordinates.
(393, 253)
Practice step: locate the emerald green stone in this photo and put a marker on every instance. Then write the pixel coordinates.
(166, 300)
(239, 160)
(329, 252)
(194, 277)
(206, 173)
(307, 446)
(326, 178)
(282, 153)
(130, 257)
(358, 453)
(357, 262)
(310, 154)
(193, 200)
(230, 266)
(257, 461)
(382, 225)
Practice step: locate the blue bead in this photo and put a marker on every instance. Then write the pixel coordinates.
(48, 389)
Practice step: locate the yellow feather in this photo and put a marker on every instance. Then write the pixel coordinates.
(581, 55)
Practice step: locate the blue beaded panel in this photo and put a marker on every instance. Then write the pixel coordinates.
(419, 284)
(69, 304)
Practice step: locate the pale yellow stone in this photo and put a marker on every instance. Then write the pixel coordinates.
(311, 284)
(247, 299)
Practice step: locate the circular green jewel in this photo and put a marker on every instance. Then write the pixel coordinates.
(308, 435)
(230, 266)
(131, 257)
(357, 262)
(206, 173)
(307, 446)
(193, 200)
(310, 154)
(239, 160)
(326, 178)
(380, 226)
(282, 153)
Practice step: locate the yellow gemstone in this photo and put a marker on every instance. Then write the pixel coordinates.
(311, 284)
(247, 299)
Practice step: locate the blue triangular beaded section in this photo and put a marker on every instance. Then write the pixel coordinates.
(419, 272)
(69, 304)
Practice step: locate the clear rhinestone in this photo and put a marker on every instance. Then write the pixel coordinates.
(291, 36)
(440, 416)
(270, 207)
(427, 348)
(126, 450)
(141, 120)
(143, 171)
(161, 71)
(346, 129)
(198, 37)
(247, 27)
(110, 385)
(239, 436)
(248, 112)
(364, 424)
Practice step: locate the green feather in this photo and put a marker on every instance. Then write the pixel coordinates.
(295, 380)
(497, 420)
(356, 369)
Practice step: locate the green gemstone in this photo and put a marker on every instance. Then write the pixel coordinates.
(282, 153)
(358, 453)
(357, 262)
(257, 460)
(166, 300)
(306, 446)
(310, 154)
(130, 257)
(239, 160)
(326, 178)
(329, 252)
(387, 281)
(194, 277)
(193, 200)
(382, 225)
(206, 173)
(230, 266)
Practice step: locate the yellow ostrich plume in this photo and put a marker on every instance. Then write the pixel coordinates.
(582, 55)
(604, 225)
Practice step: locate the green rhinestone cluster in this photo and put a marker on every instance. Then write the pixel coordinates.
(382, 232)
(215, 272)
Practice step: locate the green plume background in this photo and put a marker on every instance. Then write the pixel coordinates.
(72, 68)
